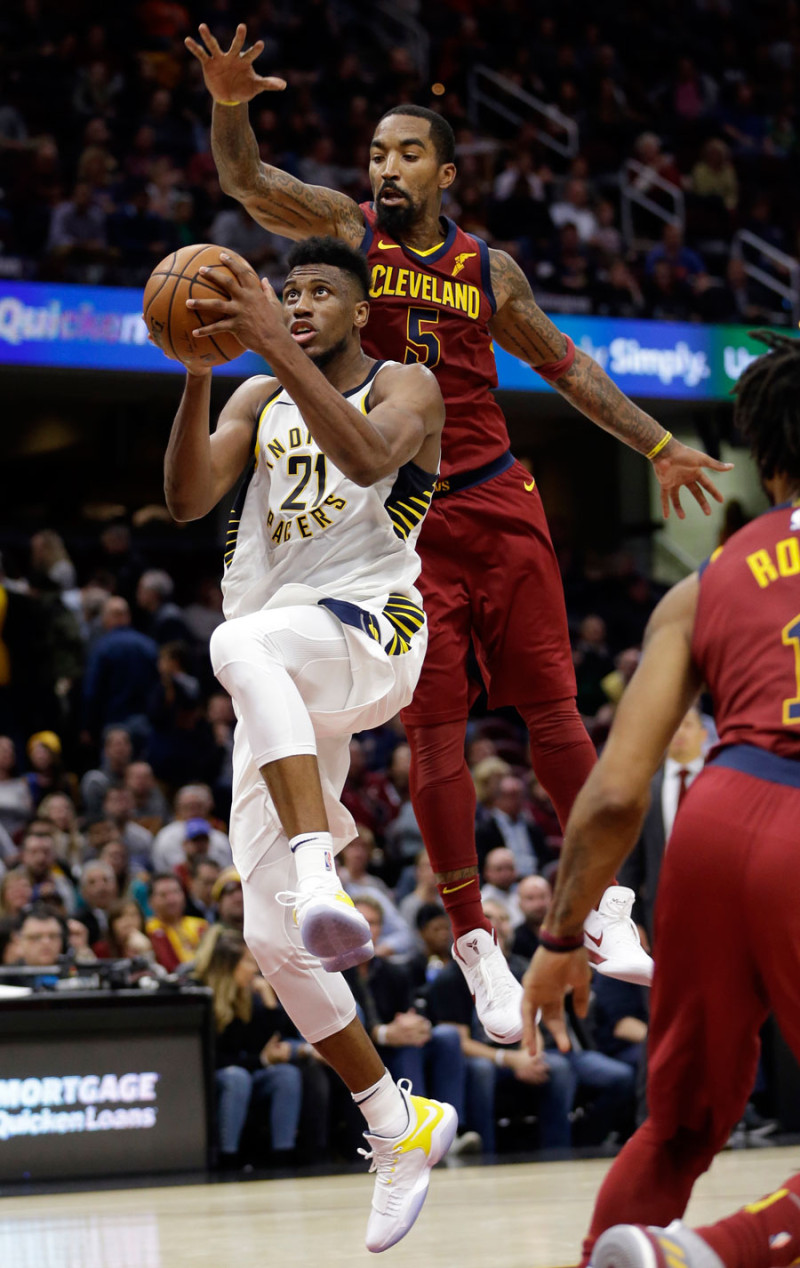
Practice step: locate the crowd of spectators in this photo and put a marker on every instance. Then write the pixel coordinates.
(105, 162)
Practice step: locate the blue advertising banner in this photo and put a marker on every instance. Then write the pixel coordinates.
(87, 328)
(101, 328)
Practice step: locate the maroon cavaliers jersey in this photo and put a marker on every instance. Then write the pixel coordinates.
(435, 307)
(747, 633)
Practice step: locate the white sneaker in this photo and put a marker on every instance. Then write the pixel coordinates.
(495, 990)
(612, 939)
(403, 1166)
(330, 926)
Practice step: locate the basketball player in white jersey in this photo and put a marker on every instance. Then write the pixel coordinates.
(324, 636)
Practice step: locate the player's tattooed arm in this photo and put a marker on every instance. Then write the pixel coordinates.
(275, 199)
(523, 329)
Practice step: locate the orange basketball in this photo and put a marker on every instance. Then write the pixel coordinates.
(171, 323)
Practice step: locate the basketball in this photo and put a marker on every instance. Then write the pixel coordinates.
(174, 280)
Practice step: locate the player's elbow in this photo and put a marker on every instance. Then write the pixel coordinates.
(182, 507)
(618, 801)
(363, 476)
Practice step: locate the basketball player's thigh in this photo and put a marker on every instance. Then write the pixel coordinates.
(706, 1004)
(309, 643)
(442, 693)
(519, 613)
(773, 881)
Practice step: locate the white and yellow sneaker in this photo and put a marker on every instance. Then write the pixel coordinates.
(330, 926)
(403, 1166)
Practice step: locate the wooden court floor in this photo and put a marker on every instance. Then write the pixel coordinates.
(527, 1215)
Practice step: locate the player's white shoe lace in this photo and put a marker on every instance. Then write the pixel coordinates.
(612, 939)
(330, 926)
(497, 993)
(403, 1166)
(633, 1246)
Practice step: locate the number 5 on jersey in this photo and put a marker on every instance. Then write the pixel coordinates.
(423, 345)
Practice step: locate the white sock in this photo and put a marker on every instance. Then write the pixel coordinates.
(383, 1107)
(313, 858)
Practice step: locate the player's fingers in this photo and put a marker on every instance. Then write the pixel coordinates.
(211, 42)
(240, 35)
(212, 307)
(272, 83)
(268, 288)
(197, 49)
(716, 465)
(250, 54)
(710, 487)
(220, 277)
(675, 497)
(213, 328)
(239, 268)
(665, 503)
(699, 497)
(529, 1038)
(581, 993)
(555, 1024)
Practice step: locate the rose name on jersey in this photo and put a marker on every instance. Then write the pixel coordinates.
(307, 509)
(461, 297)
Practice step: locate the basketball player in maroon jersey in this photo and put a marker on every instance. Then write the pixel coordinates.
(726, 911)
(440, 296)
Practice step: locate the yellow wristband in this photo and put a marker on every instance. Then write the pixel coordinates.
(662, 444)
(227, 103)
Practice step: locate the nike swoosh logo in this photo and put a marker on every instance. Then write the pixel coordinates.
(597, 941)
(422, 1135)
(297, 844)
(389, 246)
(530, 487)
(451, 889)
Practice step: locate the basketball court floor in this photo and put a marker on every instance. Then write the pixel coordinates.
(524, 1215)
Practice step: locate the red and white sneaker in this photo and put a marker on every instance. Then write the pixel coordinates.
(634, 1246)
(492, 985)
(612, 939)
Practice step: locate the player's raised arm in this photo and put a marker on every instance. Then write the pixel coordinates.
(522, 328)
(200, 467)
(278, 201)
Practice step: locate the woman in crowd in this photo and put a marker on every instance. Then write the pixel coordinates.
(254, 1065)
(126, 938)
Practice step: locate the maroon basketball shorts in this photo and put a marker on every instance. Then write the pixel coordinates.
(490, 577)
(727, 941)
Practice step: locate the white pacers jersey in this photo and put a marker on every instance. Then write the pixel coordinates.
(297, 519)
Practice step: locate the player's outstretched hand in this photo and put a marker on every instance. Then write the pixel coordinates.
(253, 312)
(679, 466)
(548, 978)
(230, 76)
